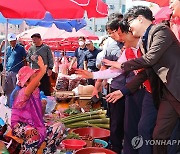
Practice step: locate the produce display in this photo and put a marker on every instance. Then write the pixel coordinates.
(93, 118)
(62, 84)
(74, 117)
(68, 83)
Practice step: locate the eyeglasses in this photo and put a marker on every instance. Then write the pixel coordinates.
(131, 20)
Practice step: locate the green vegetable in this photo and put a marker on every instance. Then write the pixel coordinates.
(71, 111)
(84, 115)
(94, 119)
(83, 118)
(99, 121)
(72, 135)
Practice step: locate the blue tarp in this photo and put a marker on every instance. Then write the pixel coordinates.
(48, 20)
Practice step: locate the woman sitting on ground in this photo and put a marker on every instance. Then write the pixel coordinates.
(27, 117)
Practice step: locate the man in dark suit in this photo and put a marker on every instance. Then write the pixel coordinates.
(162, 55)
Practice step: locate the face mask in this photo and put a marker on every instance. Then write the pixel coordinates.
(81, 43)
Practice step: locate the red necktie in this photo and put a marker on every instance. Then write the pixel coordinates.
(146, 83)
(130, 55)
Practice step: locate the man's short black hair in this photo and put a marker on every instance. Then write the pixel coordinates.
(166, 22)
(124, 26)
(116, 24)
(135, 11)
(82, 37)
(115, 15)
(36, 35)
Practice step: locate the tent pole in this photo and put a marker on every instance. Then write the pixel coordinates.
(5, 51)
(94, 25)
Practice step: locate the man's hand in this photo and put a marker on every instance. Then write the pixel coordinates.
(84, 74)
(112, 63)
(95, 92)
(114, 96)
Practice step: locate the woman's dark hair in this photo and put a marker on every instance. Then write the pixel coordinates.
(112, 24)
(113, 18)
(116, 15)
(135, 11)
(115, 24)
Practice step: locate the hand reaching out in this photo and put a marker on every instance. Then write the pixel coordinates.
(114, 96)
(84, 73)
(95, 92)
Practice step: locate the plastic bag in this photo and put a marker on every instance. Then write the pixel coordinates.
(51, 103)
(6, 114)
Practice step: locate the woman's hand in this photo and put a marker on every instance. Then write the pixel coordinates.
(84, 74)
(114, 96)
(114, 64)
(40, 62)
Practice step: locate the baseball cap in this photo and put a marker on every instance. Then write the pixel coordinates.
(24, 74)
(88, 42)
(11, 37)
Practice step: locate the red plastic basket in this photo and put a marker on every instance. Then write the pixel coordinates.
(96, 133)
(73, 144)
(91, 150)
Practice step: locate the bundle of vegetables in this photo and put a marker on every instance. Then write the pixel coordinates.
(71, 111)
(93, 118)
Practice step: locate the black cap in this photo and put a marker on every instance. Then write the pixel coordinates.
(36, 35)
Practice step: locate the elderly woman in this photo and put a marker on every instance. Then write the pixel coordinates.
(27, 117)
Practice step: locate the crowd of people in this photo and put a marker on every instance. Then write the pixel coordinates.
(138, 65)
(26, 77)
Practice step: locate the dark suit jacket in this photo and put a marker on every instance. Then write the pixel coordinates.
(156, 84)
(1, 67)
(163, 56)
